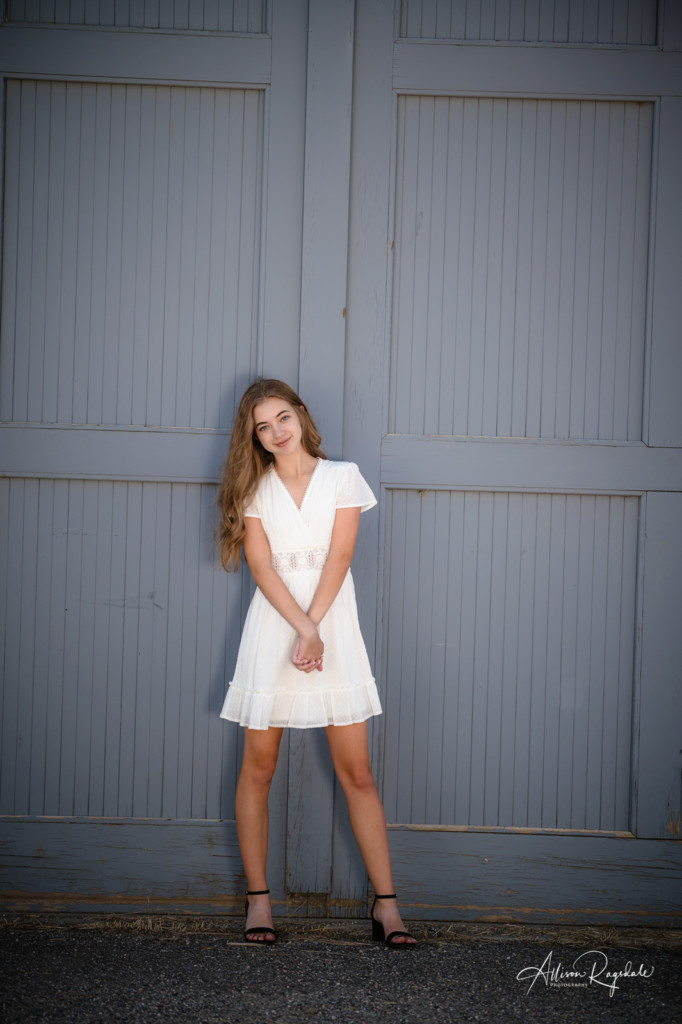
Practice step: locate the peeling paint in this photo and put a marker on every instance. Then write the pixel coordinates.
(521, 830)
(16, 900)
(294, 905)
(672, 826)
(475, 911)
(318, 905)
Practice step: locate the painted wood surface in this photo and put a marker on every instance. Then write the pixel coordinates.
(139, 58)
(587, 486)
(371, 134)
(569, 879)
(195, 15)
(138, 295)
(118, 629)
(320, 374)
(427, 67)
(120, 866)
(664, 409)
(633, 22)
(510, 659)
(120, 634)
(474, 463)
(131, 253)
(325, 219)
(280, 291)
(659, 768)
(188, 867)
(520, 276)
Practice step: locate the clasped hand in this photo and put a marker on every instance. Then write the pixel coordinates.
(308, 652)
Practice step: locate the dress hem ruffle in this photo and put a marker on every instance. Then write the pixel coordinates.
(311, 709)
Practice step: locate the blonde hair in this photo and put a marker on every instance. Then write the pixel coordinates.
(247, 462)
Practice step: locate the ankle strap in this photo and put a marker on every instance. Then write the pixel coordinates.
(257, 892)
(386, 896)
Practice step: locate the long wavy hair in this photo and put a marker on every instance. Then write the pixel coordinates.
(247, 462)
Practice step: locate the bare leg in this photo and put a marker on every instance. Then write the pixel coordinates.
(261, 747)
(350, 755)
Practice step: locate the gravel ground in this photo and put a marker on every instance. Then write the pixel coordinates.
(83, 976)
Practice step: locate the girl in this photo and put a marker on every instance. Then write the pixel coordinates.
(301, 662)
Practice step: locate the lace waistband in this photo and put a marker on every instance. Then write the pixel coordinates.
(299, 561)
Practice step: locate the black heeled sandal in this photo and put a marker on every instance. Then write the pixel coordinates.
(260, 930)
(378, 933)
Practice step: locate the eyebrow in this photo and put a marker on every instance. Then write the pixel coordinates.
(264, 422)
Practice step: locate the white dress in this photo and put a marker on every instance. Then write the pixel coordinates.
(267, 690)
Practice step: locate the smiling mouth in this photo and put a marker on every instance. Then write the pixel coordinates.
(280, 444)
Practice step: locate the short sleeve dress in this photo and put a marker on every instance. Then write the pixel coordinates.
(267, 690)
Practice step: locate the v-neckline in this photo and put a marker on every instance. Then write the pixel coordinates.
(299, 508)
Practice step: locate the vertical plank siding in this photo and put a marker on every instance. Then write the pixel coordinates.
(520, 271)
(192, 15)
(118, 636)
(509, 652)
(133, 296)
(631, 22)
(131, 253)
(152, 244)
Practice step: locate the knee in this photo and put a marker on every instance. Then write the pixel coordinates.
(259, 771)
(357, 777)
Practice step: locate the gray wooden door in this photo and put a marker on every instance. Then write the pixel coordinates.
(486, 320)
(151, 266)
(513, 370)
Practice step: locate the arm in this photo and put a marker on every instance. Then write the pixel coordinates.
(259, 559)
(334, 573)
(336, 567)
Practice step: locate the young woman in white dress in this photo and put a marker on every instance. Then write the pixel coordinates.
(301, 662)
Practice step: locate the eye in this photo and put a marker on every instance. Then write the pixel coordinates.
(284, 417)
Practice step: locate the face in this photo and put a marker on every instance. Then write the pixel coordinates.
(277, 426)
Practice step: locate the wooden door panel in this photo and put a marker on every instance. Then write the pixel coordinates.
(518, 188)
(510, 659)
(195, 15)
(582, 21)
(520, 269)
(132, 253)
(149, 271)
(114, 670)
